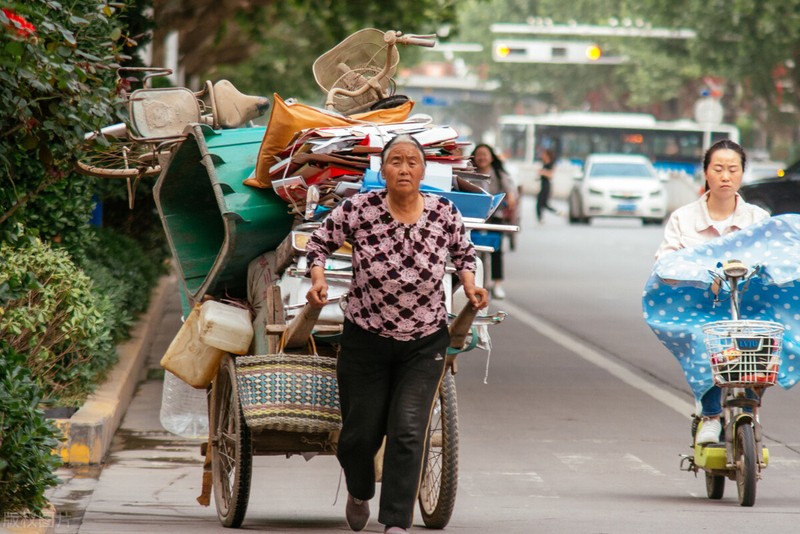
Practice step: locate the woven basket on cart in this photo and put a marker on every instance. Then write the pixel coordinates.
(289, 392)
(744, 353)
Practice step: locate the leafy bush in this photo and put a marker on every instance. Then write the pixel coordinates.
(49, 312)
(26, 440)
(56, 82)
(124, 273)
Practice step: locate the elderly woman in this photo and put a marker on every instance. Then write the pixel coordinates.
(395, 338)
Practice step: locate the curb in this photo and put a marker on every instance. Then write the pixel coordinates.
(88, 433)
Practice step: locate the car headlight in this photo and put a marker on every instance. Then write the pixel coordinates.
(657, 193)
(594, 191)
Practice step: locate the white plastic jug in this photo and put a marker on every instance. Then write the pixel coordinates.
(225, 327)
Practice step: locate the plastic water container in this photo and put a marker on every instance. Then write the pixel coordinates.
(188, 358)
(184, 409)
(225, 327)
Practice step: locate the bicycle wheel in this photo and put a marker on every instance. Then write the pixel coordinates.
(715, 486)
(111, 154)
(746, 467)
(437, 493)
(231, 452)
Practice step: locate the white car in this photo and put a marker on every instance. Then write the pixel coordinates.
(618, 185)
(758, 170)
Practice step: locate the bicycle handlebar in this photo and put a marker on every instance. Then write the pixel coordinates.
(418, 40)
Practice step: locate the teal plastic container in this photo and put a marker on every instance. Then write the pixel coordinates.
(216, 225)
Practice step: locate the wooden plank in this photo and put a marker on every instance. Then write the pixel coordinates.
(274, 315)
(461, 326)
(302, 325)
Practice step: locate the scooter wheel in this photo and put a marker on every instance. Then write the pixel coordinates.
(715, 486)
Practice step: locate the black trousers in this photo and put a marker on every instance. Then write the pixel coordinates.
(387, 387)
(496, 261)
(543, 199)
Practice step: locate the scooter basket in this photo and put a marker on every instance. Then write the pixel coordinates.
(744, 353)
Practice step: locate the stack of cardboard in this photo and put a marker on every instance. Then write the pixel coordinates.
(322, 166)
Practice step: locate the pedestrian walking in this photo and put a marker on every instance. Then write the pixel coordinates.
(500, 181)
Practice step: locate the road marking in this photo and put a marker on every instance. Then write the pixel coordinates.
(561, 337)
(573, 461)
(634, 463)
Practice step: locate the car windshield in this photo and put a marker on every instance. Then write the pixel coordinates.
(620, 170)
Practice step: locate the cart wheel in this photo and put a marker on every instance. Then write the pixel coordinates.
(231, 453)
(746, 465)
(118, 157)
(715, 486)
(437, 493)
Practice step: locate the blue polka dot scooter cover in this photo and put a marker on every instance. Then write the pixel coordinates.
(678, 300)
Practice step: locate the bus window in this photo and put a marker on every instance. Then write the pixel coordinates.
(512, 139)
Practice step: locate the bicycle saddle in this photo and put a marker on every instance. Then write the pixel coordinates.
(235, 109)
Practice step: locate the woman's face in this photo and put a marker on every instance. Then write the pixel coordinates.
(724, 173)
(482, 157)
(403, 169)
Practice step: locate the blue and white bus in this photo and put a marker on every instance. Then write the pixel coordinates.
(674, 147)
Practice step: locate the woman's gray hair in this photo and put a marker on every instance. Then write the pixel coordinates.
(403, 139)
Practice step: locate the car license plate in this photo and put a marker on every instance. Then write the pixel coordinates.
(626, 208)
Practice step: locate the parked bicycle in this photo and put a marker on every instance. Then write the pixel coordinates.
(745, 357)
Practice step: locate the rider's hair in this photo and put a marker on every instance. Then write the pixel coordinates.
(721, 145)
(400, 139)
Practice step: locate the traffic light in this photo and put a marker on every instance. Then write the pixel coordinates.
(504, 52)
(549, 51)
(593, 52)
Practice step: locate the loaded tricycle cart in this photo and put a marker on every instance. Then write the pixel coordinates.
(224, 234)
(238, 205)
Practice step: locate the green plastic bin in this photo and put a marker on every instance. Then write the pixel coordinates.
(214, 224)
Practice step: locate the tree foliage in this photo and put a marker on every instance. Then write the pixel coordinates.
(56, 82)
(748, 44)
(266, 46)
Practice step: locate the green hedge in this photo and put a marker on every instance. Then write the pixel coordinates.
(68, 292)
(50, 312)
(26, 440)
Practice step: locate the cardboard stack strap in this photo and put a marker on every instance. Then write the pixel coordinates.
(322, 166)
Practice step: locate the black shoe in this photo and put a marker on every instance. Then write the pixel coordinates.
(356, 512)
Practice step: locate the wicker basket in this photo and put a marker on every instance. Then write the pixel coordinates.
(289, 392)
(744, 353)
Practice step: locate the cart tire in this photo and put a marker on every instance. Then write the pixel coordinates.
(437, 493)
(746, 466)
(715, 486)
(231, 452)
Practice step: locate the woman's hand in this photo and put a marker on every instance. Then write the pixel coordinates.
(317, 296)
(478, 296)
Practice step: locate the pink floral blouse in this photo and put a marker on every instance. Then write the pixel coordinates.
(397, 289)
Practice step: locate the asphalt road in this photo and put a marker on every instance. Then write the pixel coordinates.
(574, 422)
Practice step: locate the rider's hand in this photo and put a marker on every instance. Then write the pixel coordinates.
(715, 286)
